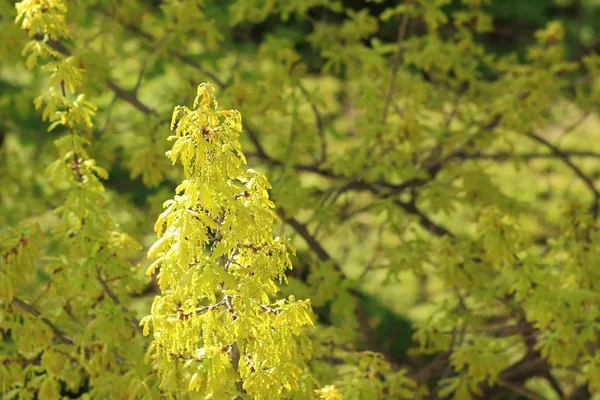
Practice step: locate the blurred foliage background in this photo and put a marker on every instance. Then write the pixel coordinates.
(140, 178)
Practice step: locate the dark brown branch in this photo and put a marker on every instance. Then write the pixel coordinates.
(504, 156)
(424, 220)
(187, 60)
(117, 90)
(555, 385)
(224, 262)
(361, 312)
(434, 367)
(58, 334)
(312, 242)
(410, 207)
(130, 98)
(520, 389)
(565, 158)
(260, 151)
(581, 393)
(114, 297)
(57, 46)
(180, 56)
(510, 330)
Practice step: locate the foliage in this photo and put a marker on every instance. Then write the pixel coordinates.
(217, 261)
(443, 197)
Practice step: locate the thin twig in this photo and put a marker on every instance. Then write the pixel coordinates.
(523, 391)
(180, 56)
(505, 155)
(571, 127)
(114, 297)
(119, 91)
(567, 161)
(395, 66)
(319, 120)
(131, 98)
(58, 334)
(361, 312)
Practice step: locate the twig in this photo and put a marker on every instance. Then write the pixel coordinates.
(319, 120)
(119, 91)
(565, 158)
(42, 293)
(180, 56)
(58, 334)
(424, 220)
(260, 151)
(375, 255)
(108, 117)
(505, 155)
(130, 97)
(430, 369)
(523, 391)
(571, 127)
(114, 297)
(361, 312)
(395, 66)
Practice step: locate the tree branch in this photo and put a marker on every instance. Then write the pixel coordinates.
(117, 90)
(319, 120)
(504, 156)
(424, 220)
(361, 312)
(565, 158)
(130, 97)
(58, 334)
(395, 66)
(180, 56)
(114, 297)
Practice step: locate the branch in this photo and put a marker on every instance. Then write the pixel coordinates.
(520, 389)
(319, 119)
(424, 220)
(187, 60)
(565, 158)
(58, 334)
(433, 367)
(260, 151)
(180, 56)
(503, 156)
(432, 170)
(130, 97)
(361, 312)
(581, 393)
(510, 330)
(234, 350)
(312, 242)
(114, 297)
(395, 66)
(119, 91)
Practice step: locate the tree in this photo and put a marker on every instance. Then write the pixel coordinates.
(442, 196)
